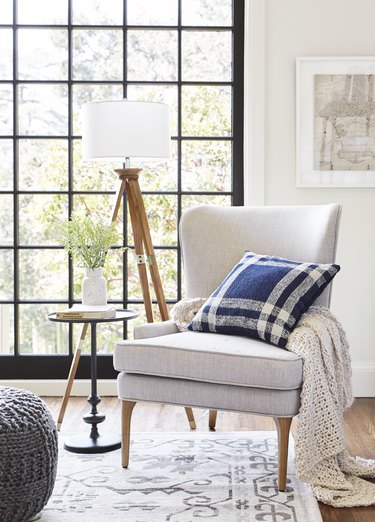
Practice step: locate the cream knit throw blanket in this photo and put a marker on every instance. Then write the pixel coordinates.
(322, 459)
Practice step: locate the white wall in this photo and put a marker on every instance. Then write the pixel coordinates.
(315, 28)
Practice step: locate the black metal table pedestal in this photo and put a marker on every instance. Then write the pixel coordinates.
(93, 442)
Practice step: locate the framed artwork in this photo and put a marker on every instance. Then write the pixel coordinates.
(335, 139)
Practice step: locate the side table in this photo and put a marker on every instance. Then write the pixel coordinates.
(94, 442)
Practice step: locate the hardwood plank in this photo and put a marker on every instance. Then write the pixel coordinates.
(359, 425)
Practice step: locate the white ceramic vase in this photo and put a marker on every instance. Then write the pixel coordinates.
(94, 288)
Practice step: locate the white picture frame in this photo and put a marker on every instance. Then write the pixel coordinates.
(335, 122)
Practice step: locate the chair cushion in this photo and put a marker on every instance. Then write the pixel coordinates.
(263, 401)
(263, 297)
(212, 358)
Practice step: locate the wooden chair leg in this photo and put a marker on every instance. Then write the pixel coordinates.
(212, 419)
(190, 416)
(127, 410)
(283, 428)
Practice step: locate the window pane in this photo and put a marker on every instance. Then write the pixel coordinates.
(207, 56)
(43, 110)
(92, 175)
(206, 12)
(97, 12)
(161, 212)
(6, 275)
(6, 165)
(51, 48)
(43, 165)
(6, 109)
(134, 285)
(167, 264)
(206, 165)
(107, 335)
(152, 55)
(150, 12)
(158, 93)
(6, 219)
(206, 110)
(6, 55)
(6, 12)
(6, 329)
(40, 336)
(38, 217)
(159, 176)
(43, 274)
(78, 275)
(87, 93)
(113, 272)
(194, 200)
(42, 12)
(97, 205)
(97, 54)
(141, 319)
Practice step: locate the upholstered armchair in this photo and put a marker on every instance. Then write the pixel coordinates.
(226, 372)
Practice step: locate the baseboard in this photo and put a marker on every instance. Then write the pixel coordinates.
(56, 388)
(363, 379)
(363, 384)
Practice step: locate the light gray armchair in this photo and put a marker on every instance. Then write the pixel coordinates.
(226, 372)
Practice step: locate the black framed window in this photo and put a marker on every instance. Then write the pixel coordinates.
(56, 56)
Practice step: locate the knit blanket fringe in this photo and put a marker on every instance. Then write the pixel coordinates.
(322, 460)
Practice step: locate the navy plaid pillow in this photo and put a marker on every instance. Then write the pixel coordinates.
(263, 297)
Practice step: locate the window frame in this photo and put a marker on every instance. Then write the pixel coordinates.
(56, 366)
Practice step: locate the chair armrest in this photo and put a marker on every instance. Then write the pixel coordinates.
(147, 330)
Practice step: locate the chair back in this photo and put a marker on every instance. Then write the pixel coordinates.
(213, 240)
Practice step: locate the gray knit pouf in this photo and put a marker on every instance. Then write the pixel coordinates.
(28, 454)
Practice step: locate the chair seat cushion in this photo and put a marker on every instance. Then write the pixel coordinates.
(224, 359)
(184, 392)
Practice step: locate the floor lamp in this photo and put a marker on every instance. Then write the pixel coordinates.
(118, 131)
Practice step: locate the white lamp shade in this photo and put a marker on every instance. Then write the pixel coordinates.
(115, 130)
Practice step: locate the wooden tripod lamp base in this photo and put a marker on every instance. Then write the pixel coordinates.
(143, 246)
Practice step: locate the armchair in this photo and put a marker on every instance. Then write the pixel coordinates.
(226, 372)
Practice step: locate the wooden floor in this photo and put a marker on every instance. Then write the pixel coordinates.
(359, 428)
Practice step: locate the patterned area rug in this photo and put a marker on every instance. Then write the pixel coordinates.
(181, 477)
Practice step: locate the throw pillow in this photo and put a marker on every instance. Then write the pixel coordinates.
(263, 297)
